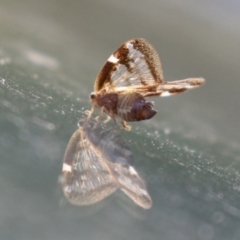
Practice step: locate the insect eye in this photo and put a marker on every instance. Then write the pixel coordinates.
(92, 95)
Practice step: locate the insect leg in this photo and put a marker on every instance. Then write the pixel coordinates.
(89, 112)
(101, 114)
(108, 119)
(125, 126)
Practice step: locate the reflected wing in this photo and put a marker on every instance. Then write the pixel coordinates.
(136, 63)
(86, 177)
(119, 159)
(131, 184)
(108, 141)
(97, 161)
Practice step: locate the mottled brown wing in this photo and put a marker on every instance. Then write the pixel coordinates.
(136, 63)
(86, 177)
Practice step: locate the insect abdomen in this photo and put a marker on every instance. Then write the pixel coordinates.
(133, 107)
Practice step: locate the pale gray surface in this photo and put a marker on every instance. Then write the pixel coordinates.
(50, 54)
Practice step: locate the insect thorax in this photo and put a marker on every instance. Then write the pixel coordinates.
(107, 101)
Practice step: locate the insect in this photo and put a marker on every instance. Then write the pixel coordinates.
(97, 162)
(132, 73)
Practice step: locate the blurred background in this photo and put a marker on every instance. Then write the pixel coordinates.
(188, 154)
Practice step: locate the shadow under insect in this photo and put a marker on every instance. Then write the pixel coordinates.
(97, 162)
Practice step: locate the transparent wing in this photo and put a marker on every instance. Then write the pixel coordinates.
(119, 158)
(135, 63)
(97, 162)
(86, 177)
(132, 185)
(108, 141)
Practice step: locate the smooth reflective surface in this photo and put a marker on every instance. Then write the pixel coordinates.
(50, 54)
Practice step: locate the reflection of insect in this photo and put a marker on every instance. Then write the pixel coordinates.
(130, 74)
(97, 162)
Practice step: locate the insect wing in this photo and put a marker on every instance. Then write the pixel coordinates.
(86, 178)
(136, 63)
(132, 185)
(119, 158)
(97, 161)
(114, 148)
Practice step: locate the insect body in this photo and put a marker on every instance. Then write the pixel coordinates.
(129, 106)
(97, 162)
(132, 73)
